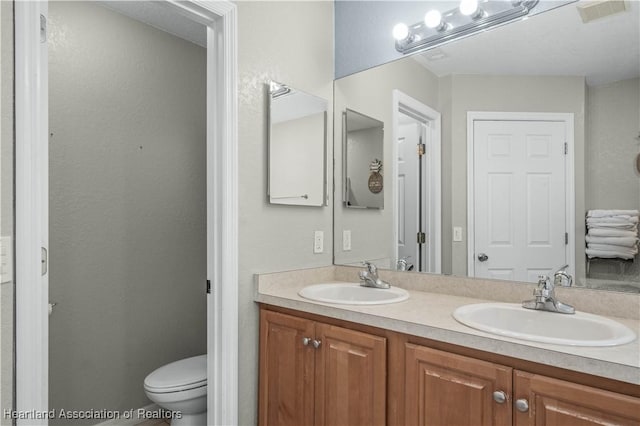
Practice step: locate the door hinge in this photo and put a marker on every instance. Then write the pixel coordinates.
(43, 29)
(421, 149)
(208, 286)
(566, 238)
(422, 238)
(566, 148)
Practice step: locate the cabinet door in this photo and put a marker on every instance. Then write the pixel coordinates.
(446, 389)
(286, 370)
(351, 372)
(556, 402)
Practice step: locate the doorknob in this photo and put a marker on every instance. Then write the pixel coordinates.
(500, 397)
(483, 257)
(522, 405)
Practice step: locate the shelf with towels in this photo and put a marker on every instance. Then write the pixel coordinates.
(612, 236)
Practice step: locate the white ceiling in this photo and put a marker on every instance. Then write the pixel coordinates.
(555, 42)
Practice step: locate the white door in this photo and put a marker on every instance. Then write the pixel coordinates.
(408, 194)
(519, 199)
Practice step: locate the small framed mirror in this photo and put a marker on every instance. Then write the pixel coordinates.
(297, 139)
(363, 153)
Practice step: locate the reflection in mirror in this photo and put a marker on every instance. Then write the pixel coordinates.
(363, 177)
(297, 147)
(551, 64)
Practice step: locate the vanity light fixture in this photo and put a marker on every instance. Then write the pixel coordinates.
(472, 16)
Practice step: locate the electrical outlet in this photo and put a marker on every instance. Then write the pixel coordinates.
(457, 233)
(318, 242)
(6, 260)
(346, 240)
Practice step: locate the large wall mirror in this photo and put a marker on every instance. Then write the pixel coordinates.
(297, 147)
(571, 82)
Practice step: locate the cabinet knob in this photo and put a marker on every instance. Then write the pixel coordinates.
(317, 343)
(522, 405)
(499, 397)
(306, 341)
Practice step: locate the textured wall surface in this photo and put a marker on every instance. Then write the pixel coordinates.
(612, 145)
(290, 42)
(127, 205)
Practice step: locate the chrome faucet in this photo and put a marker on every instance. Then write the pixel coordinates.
(562, 278)
(545, 295)
(369, 277)
(403, 264)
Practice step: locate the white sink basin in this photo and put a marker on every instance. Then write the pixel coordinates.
(512, 320)
(353, 294)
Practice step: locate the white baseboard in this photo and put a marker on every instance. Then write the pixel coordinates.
(133, 420)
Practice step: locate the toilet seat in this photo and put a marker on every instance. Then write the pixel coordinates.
(183, 375)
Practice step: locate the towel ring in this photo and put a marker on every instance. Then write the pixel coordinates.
(638, 163)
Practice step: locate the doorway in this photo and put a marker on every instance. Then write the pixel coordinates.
(520, 203)
(417, 175)
(32, 243)
(127, 185)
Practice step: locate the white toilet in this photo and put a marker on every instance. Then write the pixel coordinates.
(181, 386)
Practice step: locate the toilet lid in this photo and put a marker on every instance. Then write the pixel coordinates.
(180, 375)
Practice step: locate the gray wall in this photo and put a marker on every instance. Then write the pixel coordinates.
(612, 145)
(127, 205)
(509, 93)
(6, 202)
(290, 42)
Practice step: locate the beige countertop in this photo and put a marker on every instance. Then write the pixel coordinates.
(429, 315)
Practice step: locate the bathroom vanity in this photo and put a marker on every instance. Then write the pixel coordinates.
(400, 364)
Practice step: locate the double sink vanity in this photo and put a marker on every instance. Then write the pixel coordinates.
(441, 350)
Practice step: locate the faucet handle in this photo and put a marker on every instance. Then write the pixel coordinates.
(370, 267)
(543, 281)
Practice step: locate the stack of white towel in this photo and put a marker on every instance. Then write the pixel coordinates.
(612, 234)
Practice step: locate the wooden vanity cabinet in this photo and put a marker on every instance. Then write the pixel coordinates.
(442, 388)
(312, 373)
(361, 378)
(555, 402)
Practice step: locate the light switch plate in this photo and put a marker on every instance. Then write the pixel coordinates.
(457, 233)
(6, 260)
(318, 242)
(346, 240)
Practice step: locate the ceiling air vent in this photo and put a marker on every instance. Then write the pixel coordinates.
(597, 9)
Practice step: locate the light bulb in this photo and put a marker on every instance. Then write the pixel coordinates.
(400, 31)
(433, 19)
(468, 7)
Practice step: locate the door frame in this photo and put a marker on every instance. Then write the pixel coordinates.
(570, 199)
(429, 115)
(31, 175)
